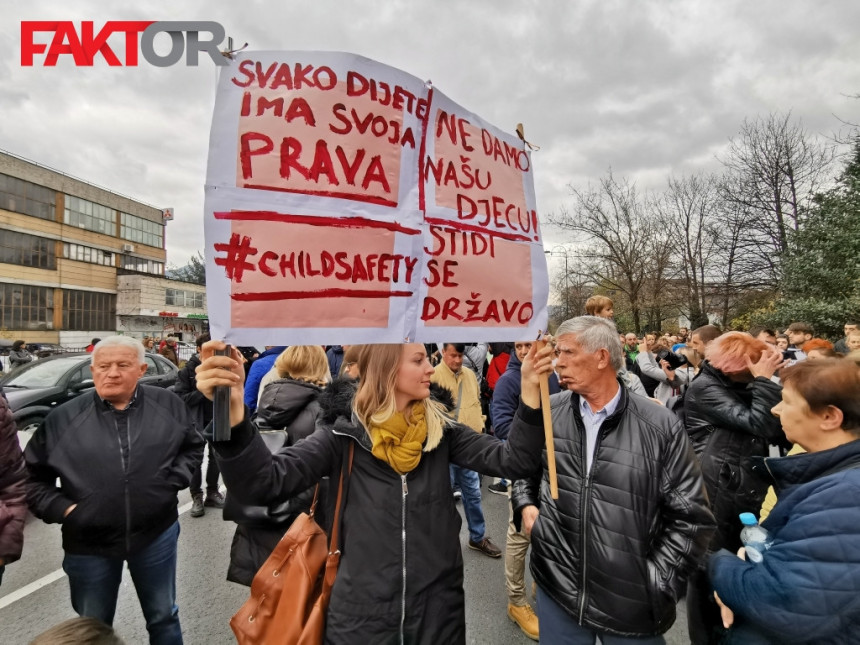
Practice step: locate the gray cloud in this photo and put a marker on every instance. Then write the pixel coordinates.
(649, 87)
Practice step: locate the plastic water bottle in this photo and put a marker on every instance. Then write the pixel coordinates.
(755, 538)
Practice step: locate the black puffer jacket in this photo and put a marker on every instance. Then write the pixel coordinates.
(616, 547)
(287, 413)
(186, 389)
(728, 423)
(401, 574)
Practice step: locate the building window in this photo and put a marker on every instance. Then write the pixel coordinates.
(21, 196)
(179, 298)
(87, 254)
(142, 265)
(27, 250)
(140, 230)
(25, 307)
(88, 311)
(90, 216)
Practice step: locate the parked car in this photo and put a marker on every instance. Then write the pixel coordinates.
(41, 350)
(34, 389)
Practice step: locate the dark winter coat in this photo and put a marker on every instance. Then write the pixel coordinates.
(401, 573)
(287, 413)
(506, 396)
(807, 588)
(729, 423)
(334, 354)
(186, 389)
(124, 481)
(169, 352)
(13, 494)
(615, 549)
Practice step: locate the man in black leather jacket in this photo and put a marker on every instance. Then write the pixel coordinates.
(121, 454)
(611, 555)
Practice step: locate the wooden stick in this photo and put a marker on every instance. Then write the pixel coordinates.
(547, 430)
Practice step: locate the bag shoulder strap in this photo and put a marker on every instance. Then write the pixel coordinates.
(338, 515)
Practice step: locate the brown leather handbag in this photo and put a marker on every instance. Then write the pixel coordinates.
(291, 591)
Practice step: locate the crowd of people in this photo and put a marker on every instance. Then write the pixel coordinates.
(660, 441)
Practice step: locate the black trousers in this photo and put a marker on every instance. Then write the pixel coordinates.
(704, 624)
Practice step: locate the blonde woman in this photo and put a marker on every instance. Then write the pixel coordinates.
(401, 572)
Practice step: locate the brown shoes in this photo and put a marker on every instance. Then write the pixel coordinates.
(525, 617)
(486, 547)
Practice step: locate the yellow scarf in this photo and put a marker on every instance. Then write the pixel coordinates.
(399, 442)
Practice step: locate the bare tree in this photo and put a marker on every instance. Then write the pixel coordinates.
(617, 232)
(689, 213)
(573, 290)
(773, 168)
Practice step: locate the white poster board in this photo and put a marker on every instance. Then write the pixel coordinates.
(349, 202)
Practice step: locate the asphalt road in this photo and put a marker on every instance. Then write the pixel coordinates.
(34, 592)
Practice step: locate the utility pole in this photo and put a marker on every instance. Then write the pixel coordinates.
(562, 251)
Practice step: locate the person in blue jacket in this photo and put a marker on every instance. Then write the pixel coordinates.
(259, 368)
(506, 395)
(807, 587)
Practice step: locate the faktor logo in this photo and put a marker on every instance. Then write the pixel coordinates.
(85, 46)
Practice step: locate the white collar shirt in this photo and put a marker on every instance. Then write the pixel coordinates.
(592, 422)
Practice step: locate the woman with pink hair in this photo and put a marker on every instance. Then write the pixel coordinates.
(727, 410)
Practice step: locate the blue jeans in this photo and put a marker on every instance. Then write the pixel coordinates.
(94, 584)
(470, 487)
(560, 628)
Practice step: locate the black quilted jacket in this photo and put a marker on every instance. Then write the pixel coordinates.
(616, 547)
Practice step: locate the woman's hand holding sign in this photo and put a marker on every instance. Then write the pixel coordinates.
(215, 371)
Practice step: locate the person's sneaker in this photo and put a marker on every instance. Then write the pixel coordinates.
(498, 488)
(525, 617)
(197, 509)
(486, 547)
(214, 499)
(458, 494)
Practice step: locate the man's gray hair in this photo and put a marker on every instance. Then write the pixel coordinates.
(593, 333)
(119, 341)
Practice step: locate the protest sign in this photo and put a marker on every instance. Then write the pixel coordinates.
(349, 202)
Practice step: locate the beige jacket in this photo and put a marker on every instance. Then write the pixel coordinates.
(470, 407)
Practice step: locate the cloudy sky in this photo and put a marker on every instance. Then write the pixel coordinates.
(647, 87)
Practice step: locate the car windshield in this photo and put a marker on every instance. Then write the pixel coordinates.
(42, 373)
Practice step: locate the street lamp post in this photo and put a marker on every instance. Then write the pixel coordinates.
(560, 250)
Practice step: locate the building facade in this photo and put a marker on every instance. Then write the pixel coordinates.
(158, 307)
(66, 246)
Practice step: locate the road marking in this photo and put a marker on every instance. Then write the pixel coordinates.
(44, 581)
(26, 590)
